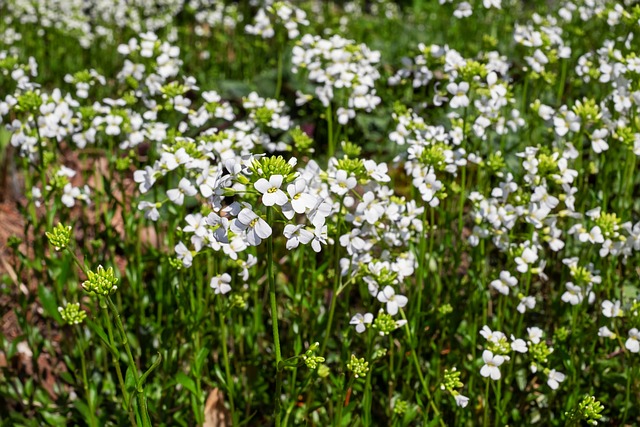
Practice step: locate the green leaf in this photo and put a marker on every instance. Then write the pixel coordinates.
(220, 376)
(83, 408)
(129, 381)
(186, 382)
(54, 419)
(144, 376)
(49, 303)
(200, 358)
(97, 328)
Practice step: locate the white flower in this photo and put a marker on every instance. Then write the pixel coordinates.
(270, 190)
(388, 295)
(70, 194)
(220, 284)
(605, 332)
(464, 10)
(113, 124)
(300, 200)
(518, 345)
(491, 364)
(555, 378)
(150, 210)
(176, 195)
(296, 234)
(526, 303)
(319, 238)
(528, 257)
(255, 227)
(461, 400)
(343, 183)
(598, 144)
(184, 254)
(593, 236)
(611, 309)
(633, 343)
(535, 334)
(361, 321)
(459, 92)
(489, 335)
(146, 178)
(503, 284)
(574, 294)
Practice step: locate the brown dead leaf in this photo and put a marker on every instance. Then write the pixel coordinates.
(215, 413)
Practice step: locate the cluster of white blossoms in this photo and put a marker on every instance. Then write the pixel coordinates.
(278, 14)
(499, 350)
(616, 311)
(345, 73)
(543, 38)
(433, 150)
(229, 171)
(464, 9)
(91, 20)
(213, 14)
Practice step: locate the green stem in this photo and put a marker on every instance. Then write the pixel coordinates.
(341, 403)
(329, 117)
(116, 362)
(280, 73)
(563, 78)
(142, 401)
(336, 279)
(422, 253)
(423, 382)
(627, 402)
(225, 355)
(274, 322)
(486, 404)
(85, 382)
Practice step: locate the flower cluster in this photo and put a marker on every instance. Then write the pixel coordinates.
(72, 314)
(345, 73)
(101, 282)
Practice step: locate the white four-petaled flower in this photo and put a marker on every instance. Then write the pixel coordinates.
(388, 295)
(221, 284)
(361, 321)
(633, 342)
(491, 365)
(270, 190)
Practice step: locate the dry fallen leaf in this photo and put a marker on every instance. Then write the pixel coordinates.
(215, 413)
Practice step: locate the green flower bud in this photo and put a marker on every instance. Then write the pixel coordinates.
(59, 237)
(302, 141)
(323, 371)
(451, 380)
(400, 407)
(359, 367)
(102, 282)
(72, 314)
(588, 410)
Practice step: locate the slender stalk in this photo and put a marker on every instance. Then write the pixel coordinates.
(227, 370)
(142, 401)
(342, 403)
(116, 362)
(486, 420)
(280, 72)
(331, 142)
(563, 78)
(85, 382)
(422, 253)
(423, 382)
(274, 322)
(336, 280)
(627, 400)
